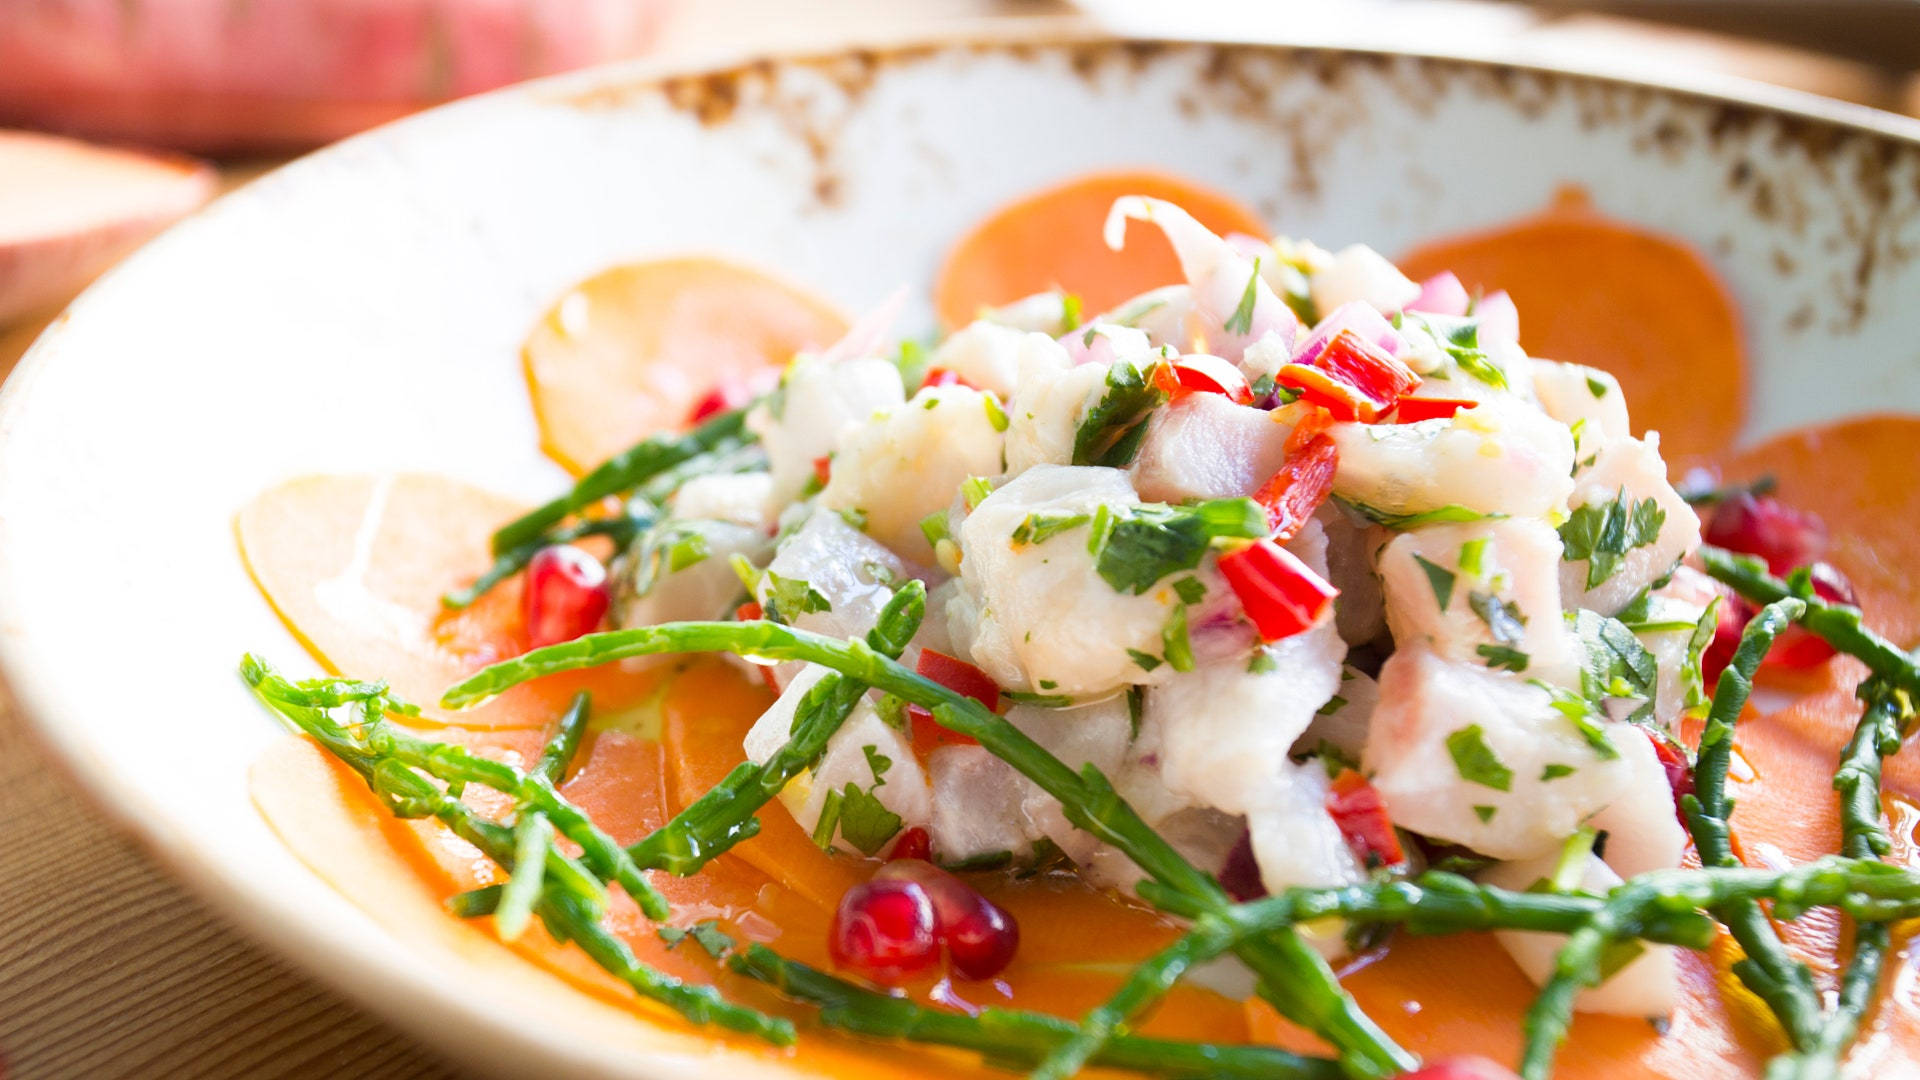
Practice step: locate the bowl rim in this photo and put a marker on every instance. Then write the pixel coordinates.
(403, 995)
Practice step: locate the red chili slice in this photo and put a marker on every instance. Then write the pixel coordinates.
(1352, 378)
(1205, 374)
(1282, 595)
(1356, 807)
(748, 612)
(960, 677)
(1298, 488)
(945, 377)
(823, 469)
(1412, 410)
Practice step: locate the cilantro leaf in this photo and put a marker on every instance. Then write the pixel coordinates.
(1111, 432)
(1190, 590)
(1146, 543)
(1595, 387)
(1450, 514)
(1173, 639)
(1143, 660)
(1615, 663)
(859, 817)
(1555, 771)
(1440, 578)
(1580, 713)
(1475, 761)
(1241, 321)
(1603, 533)
(1484, 813)
(791, 597)
(1502, 656)
(706, 934)
(1458, 336)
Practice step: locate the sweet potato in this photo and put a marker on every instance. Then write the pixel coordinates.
(69, 210)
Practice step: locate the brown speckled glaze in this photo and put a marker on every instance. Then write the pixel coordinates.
(1812, 218)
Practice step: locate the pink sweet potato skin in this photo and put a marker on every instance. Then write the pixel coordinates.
(220, 76)
(69, 210)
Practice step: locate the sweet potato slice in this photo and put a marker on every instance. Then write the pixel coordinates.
(1600, 292)
(1052, 240)
(69, 210)
(632, 350)
(356, 565)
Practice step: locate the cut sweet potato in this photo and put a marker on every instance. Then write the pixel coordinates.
(1053, 240)
(1640, 304)
(288, 74)
(631, 350)
(69, 210)
(356, 566)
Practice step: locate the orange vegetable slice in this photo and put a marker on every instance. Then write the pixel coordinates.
(356, 565)
(631, 350)
(1640, 304)
(1052, 240)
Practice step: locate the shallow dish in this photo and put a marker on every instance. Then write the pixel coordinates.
(362, 311)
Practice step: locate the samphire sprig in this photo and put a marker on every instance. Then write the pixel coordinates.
(1290, 975)
(570, 903)
(1838, 625)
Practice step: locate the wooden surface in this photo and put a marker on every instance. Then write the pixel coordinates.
(108, 969)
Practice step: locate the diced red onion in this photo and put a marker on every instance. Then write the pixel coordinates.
(1442, 294)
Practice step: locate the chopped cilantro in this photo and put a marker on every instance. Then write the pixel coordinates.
(1555, 771)
(1263, 386)
(913, 361)
(1502, 656)
(1262, 662)
(1041, 527)
(854, 516)
(1190, 590)
(1580, 713)
(1617, 954)
(1334, 704)
(1044, 701)
(1241, 321)
(877, 763)
(1146, 543)
(1615, 663)
(1603, 534)
(1503, 620)
(1451, 514)
(1459, 338)
(1475, 760)
(1595, 387)
(1145, 661)
(1173, 638)
(1440, 578)
(1483, 812)
(996, 415)
(667, 548)
(859, 817)
(1111, 432)
(1136, 708)
(931, 403)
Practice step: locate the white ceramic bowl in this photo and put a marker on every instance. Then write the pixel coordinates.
(361, 309)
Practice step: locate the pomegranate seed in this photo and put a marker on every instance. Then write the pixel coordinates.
(980, 936)
(914, 843)
(1757, 525)
(1799, 648)
(1472, 1067)
(566, 595)
(885, 929)
(1241, 874)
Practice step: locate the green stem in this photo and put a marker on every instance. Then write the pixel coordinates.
(1150, 981)
(1012, 1037)
(562, 746)
(569, 915)
(1863, 835)
(1768, 969)
(1577, 965)
(1837, 624)
(1291, 975)
(622, 473)
(725, 814)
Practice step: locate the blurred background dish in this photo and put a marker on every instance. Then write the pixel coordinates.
(185, 995)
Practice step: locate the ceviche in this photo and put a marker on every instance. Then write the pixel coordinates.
(1205, 682)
